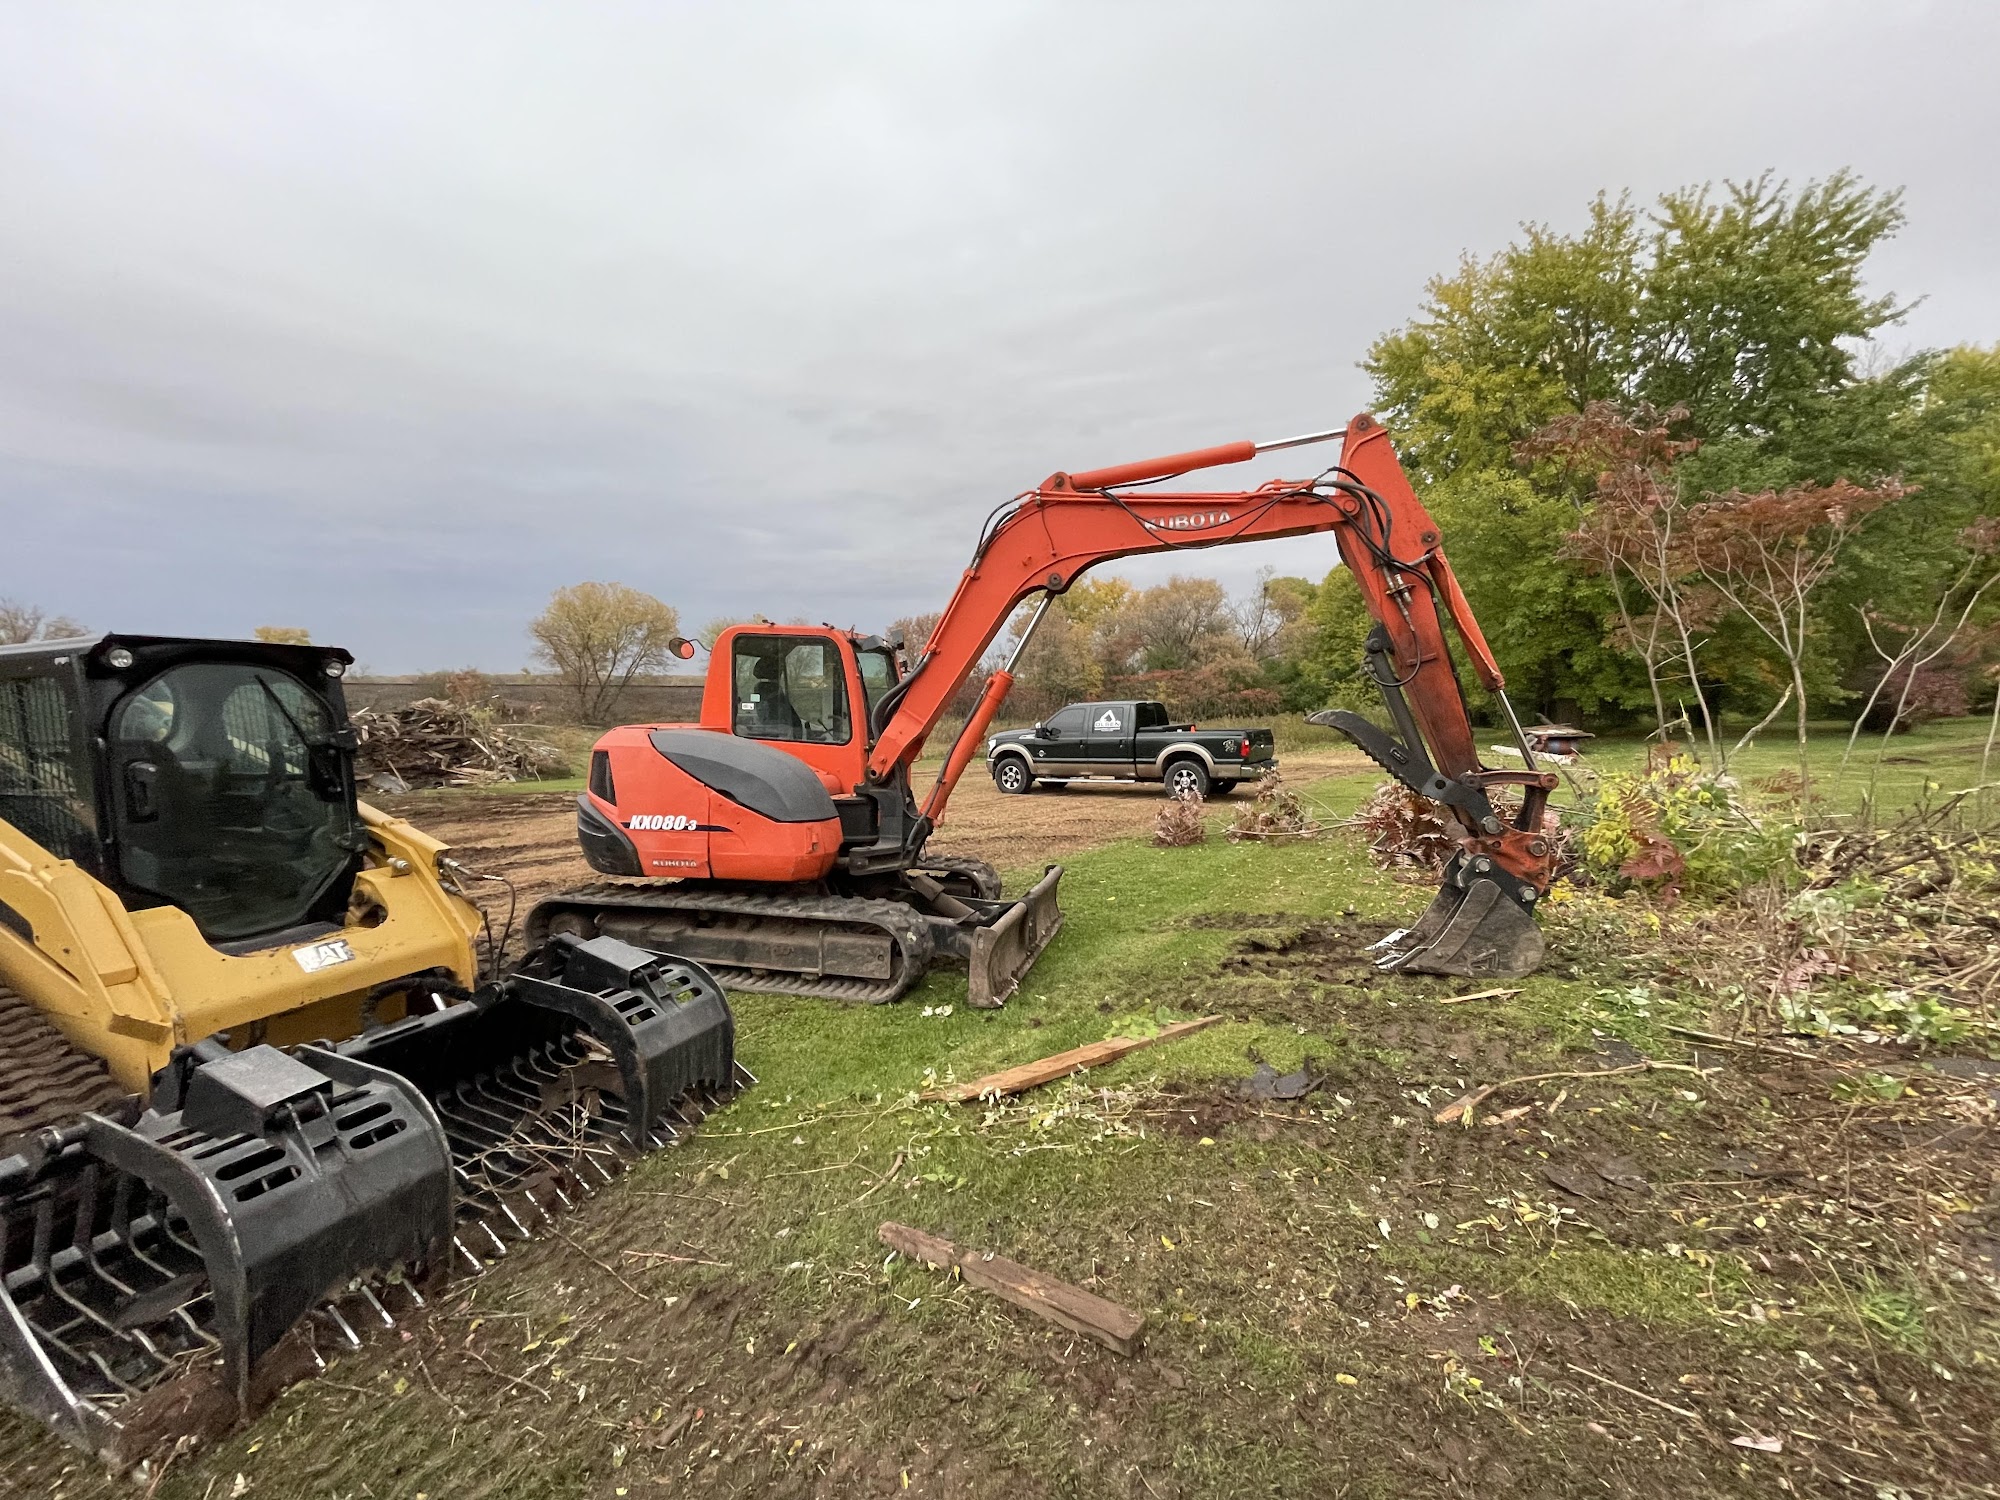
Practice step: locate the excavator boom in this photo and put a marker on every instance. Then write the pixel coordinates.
(1052, 534)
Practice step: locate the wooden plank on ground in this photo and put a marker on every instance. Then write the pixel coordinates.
(1117, 1328)
(1047, 1069)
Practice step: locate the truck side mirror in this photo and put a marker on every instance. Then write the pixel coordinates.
(1043, 732)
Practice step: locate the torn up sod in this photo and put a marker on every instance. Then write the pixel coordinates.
(1048, 1069)
(1119, 1329)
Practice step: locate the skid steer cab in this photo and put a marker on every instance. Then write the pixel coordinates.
(773, 854)
(257, 1087)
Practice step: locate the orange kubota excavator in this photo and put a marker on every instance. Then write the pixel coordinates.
(779, 842)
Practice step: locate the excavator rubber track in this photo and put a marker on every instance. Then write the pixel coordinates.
(751, 939)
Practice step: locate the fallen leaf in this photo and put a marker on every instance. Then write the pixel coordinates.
(1461, 1108)
(1570, 1180)
(1345, 1379)
(1758, 1441)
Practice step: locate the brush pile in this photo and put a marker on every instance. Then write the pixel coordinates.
(433, 742)
(1179, 822)
(1405, 831)
(1278, 814)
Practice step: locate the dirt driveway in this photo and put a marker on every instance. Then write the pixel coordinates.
(531, 837)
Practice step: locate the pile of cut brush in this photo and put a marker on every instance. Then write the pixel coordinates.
(434, 742)
(1278, 814)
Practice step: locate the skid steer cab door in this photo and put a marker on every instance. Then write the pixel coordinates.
(230, 798)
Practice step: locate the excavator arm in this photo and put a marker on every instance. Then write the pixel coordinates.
(1046, 538)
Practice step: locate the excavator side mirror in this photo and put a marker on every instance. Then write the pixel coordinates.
(681, 646)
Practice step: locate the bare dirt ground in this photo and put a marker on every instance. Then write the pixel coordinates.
(530, 838)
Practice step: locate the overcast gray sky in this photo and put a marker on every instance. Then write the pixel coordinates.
(386, 321)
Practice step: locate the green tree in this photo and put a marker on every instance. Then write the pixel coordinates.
(1745, 306)
(598, 637)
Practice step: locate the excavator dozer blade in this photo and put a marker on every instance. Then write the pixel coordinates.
(1474, 930)
(1004, 950)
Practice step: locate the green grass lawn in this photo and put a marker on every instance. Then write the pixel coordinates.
(1343, 1296)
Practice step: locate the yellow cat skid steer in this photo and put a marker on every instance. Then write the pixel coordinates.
(253, 1083)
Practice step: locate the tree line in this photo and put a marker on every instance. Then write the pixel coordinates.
(1682, 483)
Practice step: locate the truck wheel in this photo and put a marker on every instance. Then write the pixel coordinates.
(1010, 774)
(1186, 778)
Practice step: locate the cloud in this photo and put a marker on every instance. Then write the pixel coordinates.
(389, 321)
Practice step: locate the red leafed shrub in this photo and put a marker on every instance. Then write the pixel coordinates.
(1932, 693)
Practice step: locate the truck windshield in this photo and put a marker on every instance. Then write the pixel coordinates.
(232, 801)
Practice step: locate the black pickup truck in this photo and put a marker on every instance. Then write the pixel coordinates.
(1128, 741)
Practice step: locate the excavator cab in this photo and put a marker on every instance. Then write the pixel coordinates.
(772, 854)
(251, 1067)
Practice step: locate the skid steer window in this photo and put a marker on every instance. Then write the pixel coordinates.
(233, 802)
(790, 688)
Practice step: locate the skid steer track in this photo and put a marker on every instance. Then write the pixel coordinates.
(44, 1080)
(839, 947)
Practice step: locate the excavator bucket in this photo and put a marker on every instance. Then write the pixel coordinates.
(163, 1269)
(1473, 929)
(1004, 951)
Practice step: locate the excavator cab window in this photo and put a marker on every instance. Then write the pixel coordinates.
(791, 687)
(878, 675)
(232, 799)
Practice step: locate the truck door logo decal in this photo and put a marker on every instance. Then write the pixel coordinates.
(1107, 723)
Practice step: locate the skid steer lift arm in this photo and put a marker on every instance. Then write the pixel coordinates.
(1480, 923)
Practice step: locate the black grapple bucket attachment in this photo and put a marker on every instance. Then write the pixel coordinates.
(1478, 926)
(151, 1265)
(546, 1082)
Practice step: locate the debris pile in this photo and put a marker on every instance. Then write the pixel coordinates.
(1179, 823)
(433, 742)
(1277, 814)
(1405, 830)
